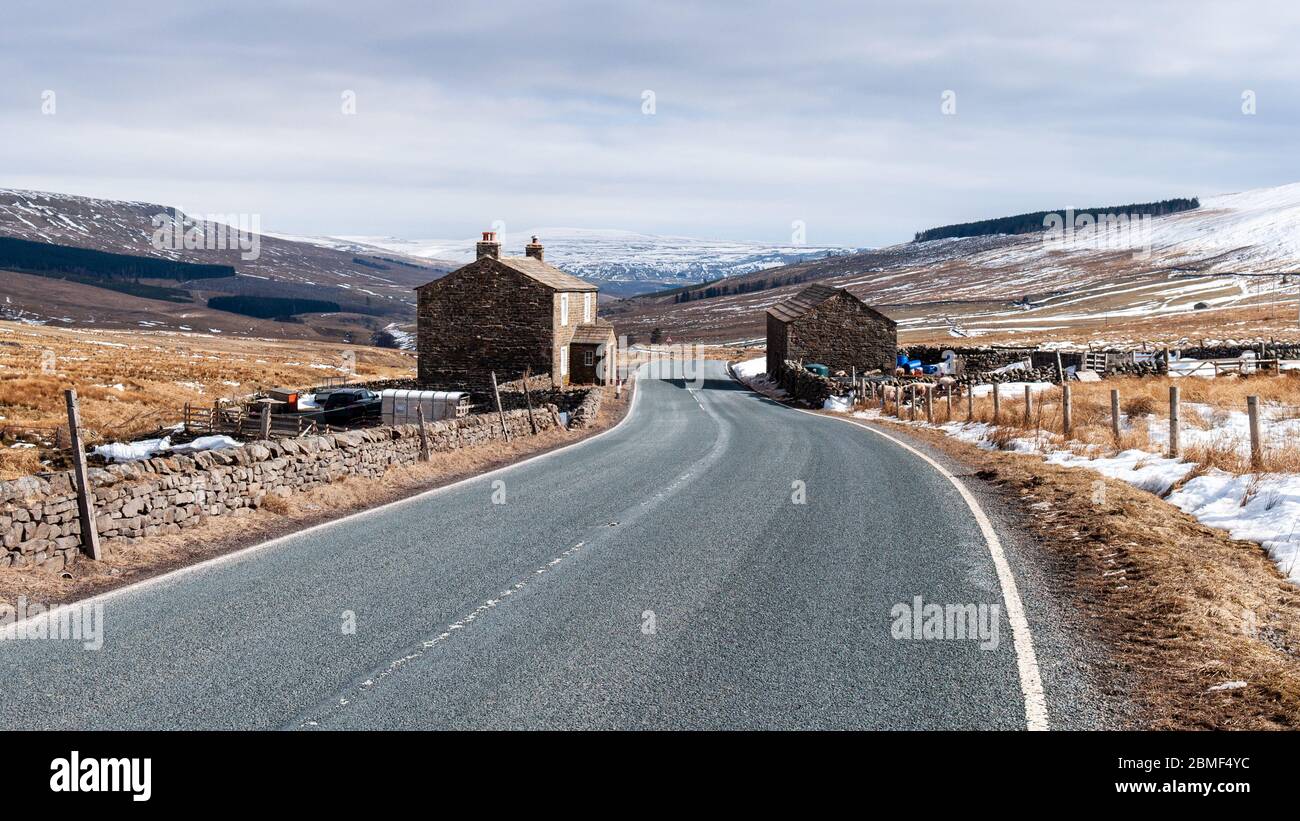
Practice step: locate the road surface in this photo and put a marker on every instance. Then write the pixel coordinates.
(662, 575)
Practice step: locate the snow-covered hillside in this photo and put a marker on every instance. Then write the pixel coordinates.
(1257, 228)
(615, 256)
(1236, 250)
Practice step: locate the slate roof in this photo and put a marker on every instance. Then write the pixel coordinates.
(536, 270)
(548, 275)
(802, 302)
(814, 295)
(593, 333)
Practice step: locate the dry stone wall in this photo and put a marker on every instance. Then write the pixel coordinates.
(806, 386)
(41, 529)
(585, 414)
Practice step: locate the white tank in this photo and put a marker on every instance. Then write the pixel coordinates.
(399, 407)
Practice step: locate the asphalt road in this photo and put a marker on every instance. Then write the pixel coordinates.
(661, 575)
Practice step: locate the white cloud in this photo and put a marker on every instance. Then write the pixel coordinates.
(825, 112)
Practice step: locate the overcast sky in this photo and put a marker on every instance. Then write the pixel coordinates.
(534, 113)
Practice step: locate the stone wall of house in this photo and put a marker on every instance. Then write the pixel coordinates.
(564, 332)
(482, 318)
(776, 345)
(40, 526)
(843, 334)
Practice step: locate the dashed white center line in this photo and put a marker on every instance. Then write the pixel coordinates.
(429, 644)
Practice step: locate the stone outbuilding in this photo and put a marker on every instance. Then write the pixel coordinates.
(507, 315)
(832, 327)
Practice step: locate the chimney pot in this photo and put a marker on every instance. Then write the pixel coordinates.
(534, 249)
(488, 246)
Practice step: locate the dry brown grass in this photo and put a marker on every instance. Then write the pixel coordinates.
(1145, 405)
(131, 383)
(1140, 405)
(1001, 436)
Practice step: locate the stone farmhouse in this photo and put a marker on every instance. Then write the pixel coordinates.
(832, 327)
(507, 315)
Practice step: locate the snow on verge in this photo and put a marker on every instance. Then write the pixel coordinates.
(750, 368)
(1264, 509)
(753, 372)
(135, 451)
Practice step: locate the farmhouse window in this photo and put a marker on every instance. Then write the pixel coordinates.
(564, 309)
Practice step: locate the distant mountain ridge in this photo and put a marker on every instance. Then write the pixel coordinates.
(621, 262)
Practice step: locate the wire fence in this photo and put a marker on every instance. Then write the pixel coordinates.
(1243, 432)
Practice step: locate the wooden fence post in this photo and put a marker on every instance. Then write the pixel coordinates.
(1114, 413)
(950, 403)
(85, 493)
(528, 399)
(424, 434)
(997, 406)
(1067, 415)
(266, 421)
(911, 401)
(1029, 404)
(929, 405)
(496, 391)
(970, 404)
(1174, 446)
(1256, 446)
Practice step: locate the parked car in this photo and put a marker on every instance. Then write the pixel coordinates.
(347, 406)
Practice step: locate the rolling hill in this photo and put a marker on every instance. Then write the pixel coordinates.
(370, 290)
(1235, 251)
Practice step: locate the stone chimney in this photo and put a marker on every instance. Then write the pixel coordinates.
(488, 246)
(534, 249)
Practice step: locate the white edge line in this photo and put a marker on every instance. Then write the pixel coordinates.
(172, 575)
(1031, 683)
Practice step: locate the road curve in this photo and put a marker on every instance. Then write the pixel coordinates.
(662, 575)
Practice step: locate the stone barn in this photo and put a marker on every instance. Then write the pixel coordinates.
(832, 327)
(507, 315)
